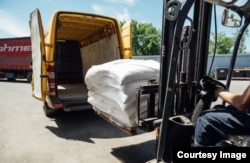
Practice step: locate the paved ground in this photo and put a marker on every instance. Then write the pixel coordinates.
(27, 136)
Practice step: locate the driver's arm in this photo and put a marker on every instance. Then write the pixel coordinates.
(241, 102)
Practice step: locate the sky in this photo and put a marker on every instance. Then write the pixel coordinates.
(14, 14)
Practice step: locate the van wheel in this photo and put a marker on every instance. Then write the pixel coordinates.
(49, 112)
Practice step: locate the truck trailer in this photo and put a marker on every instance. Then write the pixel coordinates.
(15, 58)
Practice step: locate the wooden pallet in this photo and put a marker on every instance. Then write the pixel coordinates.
(111, 120)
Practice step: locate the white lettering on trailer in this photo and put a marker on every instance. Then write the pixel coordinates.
(7, 48)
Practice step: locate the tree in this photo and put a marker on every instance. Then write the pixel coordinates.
(224, 43)
(145, 38)
(242, 46)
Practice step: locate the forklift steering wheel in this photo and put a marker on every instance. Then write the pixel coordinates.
(209, 84)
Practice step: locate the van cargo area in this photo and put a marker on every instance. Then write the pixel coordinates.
(75, 55)
(69, 71)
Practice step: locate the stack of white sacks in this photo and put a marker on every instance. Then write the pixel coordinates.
(112, 88)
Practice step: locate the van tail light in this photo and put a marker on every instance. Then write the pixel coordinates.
(51, 79)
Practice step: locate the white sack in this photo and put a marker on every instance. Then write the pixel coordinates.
(124, 71)
(112, 103)
(112, 88)
(120, 93)
(124, 118)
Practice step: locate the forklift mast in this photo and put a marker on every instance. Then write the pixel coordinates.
(183, 59)
(186, 26)
(183, 64)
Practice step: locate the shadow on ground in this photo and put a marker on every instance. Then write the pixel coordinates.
(84, 125)
(138, 153)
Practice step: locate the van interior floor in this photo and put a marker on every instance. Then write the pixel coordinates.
(70, 91)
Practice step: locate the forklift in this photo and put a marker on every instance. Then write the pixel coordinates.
(186, 86)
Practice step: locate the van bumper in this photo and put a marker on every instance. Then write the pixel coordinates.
(76, 105)
(69, 104)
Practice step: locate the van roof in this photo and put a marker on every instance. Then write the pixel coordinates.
(83, 27)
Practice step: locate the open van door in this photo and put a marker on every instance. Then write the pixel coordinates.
(39, 78)
(127, 40)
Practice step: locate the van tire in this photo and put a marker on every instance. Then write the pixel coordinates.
(49, 112)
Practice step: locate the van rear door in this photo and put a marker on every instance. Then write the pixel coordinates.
(127, 40)
(39, 78)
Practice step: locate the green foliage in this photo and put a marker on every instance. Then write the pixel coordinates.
(225, 43)
(145, 38)
(242, 46)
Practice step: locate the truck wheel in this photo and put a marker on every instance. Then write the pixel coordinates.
(29, 76)
(49, 112)
(11, 79)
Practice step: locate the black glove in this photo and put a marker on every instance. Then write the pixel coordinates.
(209, 85)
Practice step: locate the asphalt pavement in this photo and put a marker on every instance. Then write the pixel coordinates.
(28, 136)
